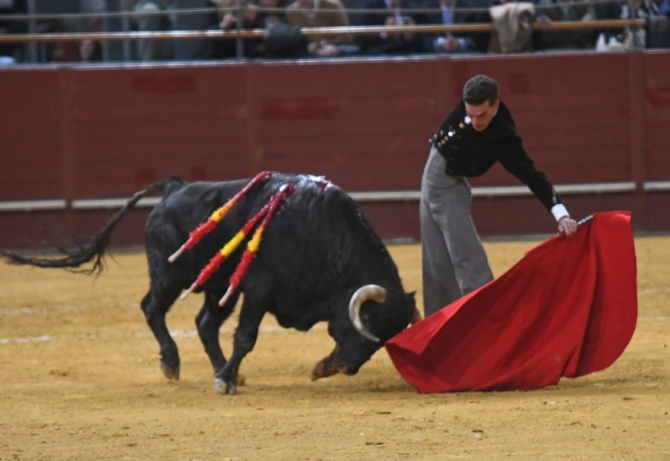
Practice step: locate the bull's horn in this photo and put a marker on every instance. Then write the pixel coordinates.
(365, 293)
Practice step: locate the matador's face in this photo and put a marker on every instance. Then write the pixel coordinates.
(482, 115)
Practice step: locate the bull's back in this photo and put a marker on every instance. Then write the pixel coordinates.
(318, 239)
(321, 242)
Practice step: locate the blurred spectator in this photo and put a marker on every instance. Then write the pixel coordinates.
(152, 16)
(395, 42)
(457, 42)
(322, 13)
(11, 53)
(226, 19)
(86, 23)
(71, 51)
(659, 27)
(643, 9)
(628, 38)
(90, 51)
(513, 27)
(551, 11)
(608, 10)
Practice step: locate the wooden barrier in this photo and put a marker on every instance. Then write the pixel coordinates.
(69, 135)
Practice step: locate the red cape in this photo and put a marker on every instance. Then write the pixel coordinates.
(568, 308)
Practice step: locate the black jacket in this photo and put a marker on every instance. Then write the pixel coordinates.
(13, 27)
(376, 44)
(471, 153)
(479, 41)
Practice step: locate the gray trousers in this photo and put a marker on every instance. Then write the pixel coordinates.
(453, 259)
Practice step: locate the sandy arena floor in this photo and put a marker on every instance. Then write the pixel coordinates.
(80, 381)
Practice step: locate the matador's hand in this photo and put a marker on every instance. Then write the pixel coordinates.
(567, 226)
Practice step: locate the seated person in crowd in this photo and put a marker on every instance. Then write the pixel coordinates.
(550, 11)
(145, 20)
(90, 51)
(644, 9)
(457, 42)
(390, 42)
(11, 53)
(609, 10)
(512, 26)
(322, 13)
(253, 17)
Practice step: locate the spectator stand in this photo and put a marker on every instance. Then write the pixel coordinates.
(53, 26)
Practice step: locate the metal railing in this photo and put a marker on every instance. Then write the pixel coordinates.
(308, 31)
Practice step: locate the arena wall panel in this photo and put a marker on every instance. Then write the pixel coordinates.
(35, 230)
(135, 126)
(657, 67)
(363, 125)
(30, 134)
(659, 218)
(86, 132)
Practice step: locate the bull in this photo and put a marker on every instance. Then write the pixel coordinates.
(320, 261)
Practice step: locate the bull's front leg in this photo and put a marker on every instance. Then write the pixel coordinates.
(245, 339)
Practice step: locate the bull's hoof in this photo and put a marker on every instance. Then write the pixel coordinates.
(318, 371)
(325, 368)
(224, 388)
(170, 372)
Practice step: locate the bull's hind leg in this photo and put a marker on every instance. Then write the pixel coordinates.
(253, 310)
(209, 320)
(155, 306)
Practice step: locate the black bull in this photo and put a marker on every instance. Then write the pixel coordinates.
(320, 260)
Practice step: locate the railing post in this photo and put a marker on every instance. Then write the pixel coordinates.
(32, 45)
(239, 41)
(125, 26)
(105, 27)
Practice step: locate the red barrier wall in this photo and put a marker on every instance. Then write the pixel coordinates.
(657, 146)
(99, 132)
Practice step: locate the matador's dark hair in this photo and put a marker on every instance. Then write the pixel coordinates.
(480, 89)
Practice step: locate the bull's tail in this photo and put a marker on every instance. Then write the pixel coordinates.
(96, 249)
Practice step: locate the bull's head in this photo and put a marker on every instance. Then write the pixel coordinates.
(375, 316)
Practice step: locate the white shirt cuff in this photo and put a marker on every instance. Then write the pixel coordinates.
(559, 211)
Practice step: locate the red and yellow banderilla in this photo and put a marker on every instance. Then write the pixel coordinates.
(254, 244)
(218, 215)
(226, 251)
